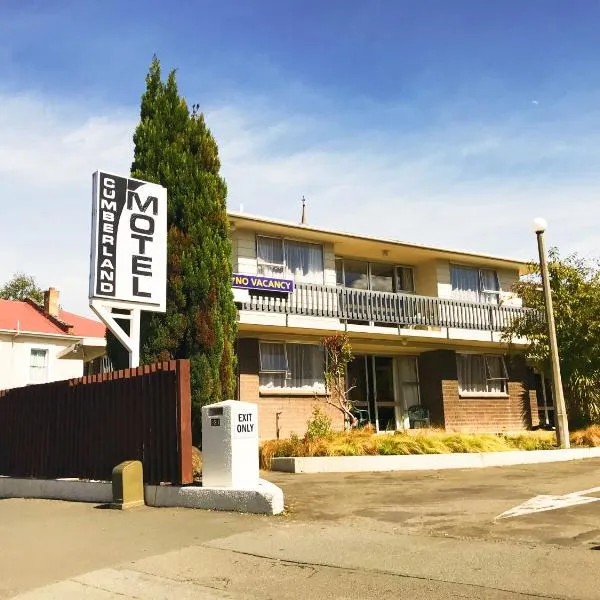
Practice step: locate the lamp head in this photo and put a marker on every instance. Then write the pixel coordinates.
(539, 225)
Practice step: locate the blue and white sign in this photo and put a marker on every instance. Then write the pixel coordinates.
(257, 282)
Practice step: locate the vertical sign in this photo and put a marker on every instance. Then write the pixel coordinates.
(128, 259)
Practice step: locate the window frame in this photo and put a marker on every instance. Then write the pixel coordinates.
(285, 271)
(481, 290)
(287, 374)
(34, 368)
(487, 393)
(394, 266)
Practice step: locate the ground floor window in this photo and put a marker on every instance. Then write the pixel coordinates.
(287, 366)
(482, 373)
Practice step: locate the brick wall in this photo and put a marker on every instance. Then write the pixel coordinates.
(488, 414)
(294, 411)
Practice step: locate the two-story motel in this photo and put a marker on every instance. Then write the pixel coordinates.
(424, 323)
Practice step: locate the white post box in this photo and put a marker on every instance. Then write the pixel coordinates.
(230, 445)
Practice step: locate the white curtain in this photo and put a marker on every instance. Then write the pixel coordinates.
(408, 369)
(474, 285)
(489, 286)
(496, 374)
(409, 379)
(272, 357)
(465, 283)
(405, 280)
(269, 254)
(304, 262)
(38, 366)
(471, 373)
(479, 373)
(292, 366)
(307, 365)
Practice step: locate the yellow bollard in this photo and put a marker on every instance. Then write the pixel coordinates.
(128, 485)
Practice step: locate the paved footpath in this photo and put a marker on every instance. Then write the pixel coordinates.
(417, 535)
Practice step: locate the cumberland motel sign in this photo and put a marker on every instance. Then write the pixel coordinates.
(128, 258)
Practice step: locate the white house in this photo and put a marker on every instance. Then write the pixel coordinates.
(39, 344)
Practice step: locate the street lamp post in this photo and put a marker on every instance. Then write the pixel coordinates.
(560, 412)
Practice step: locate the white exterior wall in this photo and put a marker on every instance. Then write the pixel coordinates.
(15, 355)
(245, 248)
(329, 264)
(507, 279)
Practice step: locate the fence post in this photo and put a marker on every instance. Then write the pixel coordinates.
(184, 422)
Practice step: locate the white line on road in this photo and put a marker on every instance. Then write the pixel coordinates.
(543, 503)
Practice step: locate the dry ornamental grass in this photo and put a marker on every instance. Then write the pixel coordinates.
(364, 442)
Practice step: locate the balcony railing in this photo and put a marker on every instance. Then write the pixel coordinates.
(384, 308)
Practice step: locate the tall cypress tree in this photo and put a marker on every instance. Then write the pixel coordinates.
(175, 148)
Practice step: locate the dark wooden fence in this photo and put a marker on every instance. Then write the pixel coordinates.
(84, 427)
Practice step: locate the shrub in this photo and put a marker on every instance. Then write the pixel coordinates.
(587, 437)
(319, 425)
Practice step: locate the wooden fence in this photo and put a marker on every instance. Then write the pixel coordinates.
(84, 427)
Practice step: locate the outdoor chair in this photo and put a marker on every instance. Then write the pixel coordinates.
(418, 417)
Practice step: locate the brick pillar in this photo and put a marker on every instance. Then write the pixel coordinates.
(435, 368)
(522, 388)
(248, 367)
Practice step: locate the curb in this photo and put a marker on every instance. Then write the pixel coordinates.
(426, 462)
(266, 499)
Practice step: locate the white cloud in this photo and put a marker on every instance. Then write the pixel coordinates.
(466, 184)
(48, 152)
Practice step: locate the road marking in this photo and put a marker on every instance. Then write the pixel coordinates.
(543, 503)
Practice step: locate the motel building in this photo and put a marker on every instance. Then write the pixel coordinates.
(424, 324)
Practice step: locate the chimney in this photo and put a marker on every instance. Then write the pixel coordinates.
(303, 219)
(51, 302)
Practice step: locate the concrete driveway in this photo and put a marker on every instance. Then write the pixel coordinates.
(414, 535)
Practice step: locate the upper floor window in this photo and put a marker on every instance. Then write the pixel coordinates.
(474, 285)
(379, 277)
(38, 365)
(277, 257)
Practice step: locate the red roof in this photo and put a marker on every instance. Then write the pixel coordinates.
(82, 326)
(16, 315)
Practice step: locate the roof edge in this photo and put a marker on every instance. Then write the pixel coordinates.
(256, 218)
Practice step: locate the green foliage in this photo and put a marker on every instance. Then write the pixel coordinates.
(175, 148)
(20, 287)
(575, 285)
(319, 425)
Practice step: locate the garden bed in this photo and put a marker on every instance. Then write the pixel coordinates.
(363, 443)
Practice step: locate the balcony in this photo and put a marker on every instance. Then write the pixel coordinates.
(384, 308)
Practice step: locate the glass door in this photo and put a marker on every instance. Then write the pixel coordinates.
(408, 375)
(359, 382)
(375, 390)
(384, 388)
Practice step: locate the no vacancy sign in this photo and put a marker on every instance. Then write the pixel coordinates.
(128, 259)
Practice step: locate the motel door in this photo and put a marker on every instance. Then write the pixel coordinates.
(372, 378)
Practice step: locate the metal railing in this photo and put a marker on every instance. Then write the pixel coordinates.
(385, 308)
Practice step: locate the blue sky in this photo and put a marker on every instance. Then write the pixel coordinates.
(446, 123)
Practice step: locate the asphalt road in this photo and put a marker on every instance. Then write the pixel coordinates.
(414, 535)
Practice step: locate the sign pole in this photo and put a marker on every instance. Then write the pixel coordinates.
(131, 341)
(134, 337)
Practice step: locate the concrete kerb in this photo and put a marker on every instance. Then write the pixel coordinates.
(267, 498)
(424, 462)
